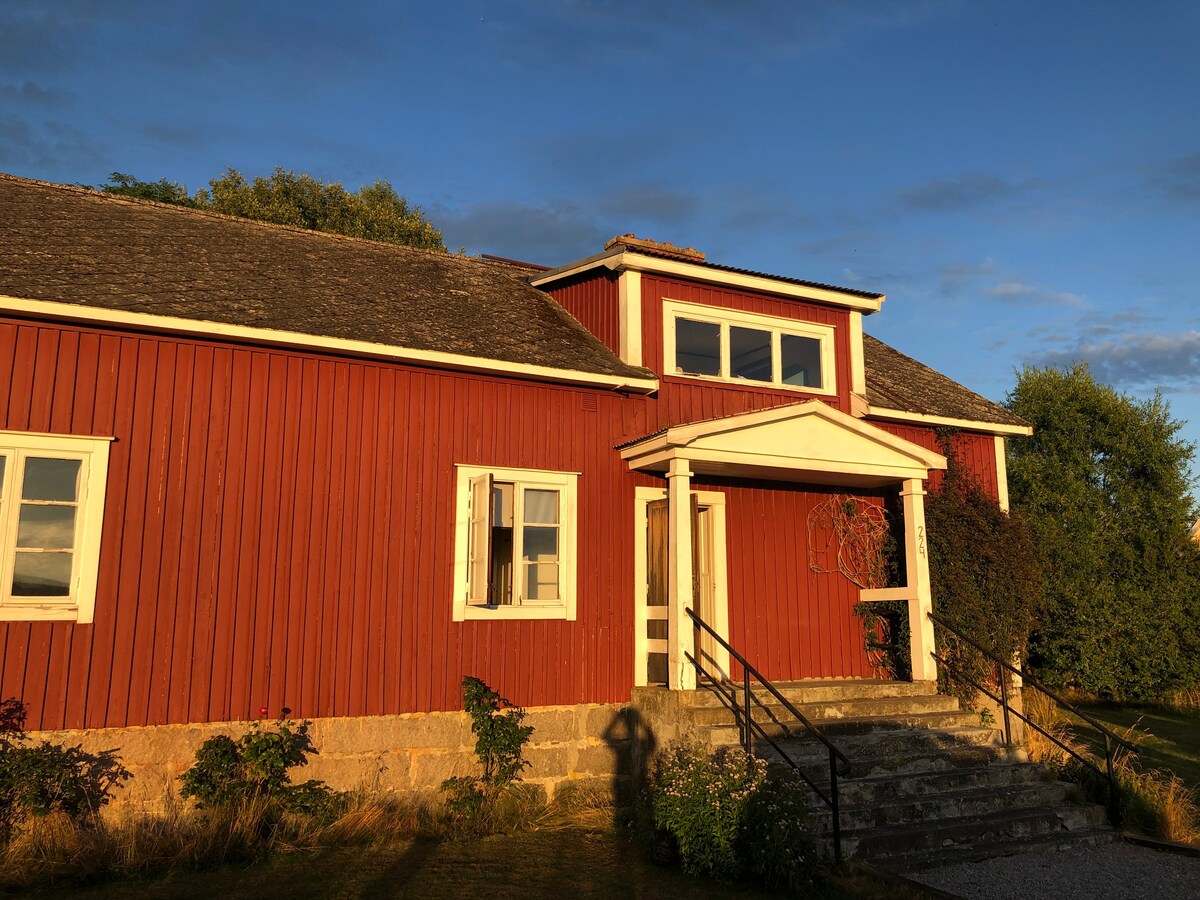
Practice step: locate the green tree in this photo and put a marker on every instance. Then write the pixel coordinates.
(1103, 483)
(162, 190)
(375, 212)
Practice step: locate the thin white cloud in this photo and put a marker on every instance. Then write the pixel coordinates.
(1147, 359)
(1022, 292)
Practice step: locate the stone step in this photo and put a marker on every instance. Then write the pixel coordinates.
(822, 713)
(839, 731)
(890, 788)
(968, 832)
(820, 690)
(932, 859)
(975, 802)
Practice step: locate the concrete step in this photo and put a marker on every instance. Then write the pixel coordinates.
(825, 712)
(891, 787)
(840, 731)
(975, 802)
(933, 859)
(821, 690)
(918, 839)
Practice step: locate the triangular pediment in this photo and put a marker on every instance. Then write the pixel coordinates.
(807, 441)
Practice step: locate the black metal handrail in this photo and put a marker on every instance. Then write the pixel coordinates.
(1112, 740)
(749, 727)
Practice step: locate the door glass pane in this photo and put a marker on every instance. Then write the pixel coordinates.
(801, 360)
(46, 527)
(42, 575)
(541, 507)
(50, 479)
(697, 347)
(750, 354)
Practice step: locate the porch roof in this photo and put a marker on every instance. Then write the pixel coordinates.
(804, 442)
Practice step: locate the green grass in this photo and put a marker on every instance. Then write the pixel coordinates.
(1167, 739)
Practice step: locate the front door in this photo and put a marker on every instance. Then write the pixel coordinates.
(708, 596)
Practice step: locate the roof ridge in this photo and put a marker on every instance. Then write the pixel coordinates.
(228, 217)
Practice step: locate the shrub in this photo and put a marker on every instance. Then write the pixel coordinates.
(776, 836)
(255, 767)
(500, 739)
(986, 576)
(44, 778)
(702, 801)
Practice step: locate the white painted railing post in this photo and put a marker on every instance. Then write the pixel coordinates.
(679, 569)
(920, 603)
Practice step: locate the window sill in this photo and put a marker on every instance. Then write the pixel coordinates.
(39, 613)
(754, 385)
(505, 613)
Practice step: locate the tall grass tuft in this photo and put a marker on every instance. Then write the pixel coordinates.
(55, 849)
(1152, 801)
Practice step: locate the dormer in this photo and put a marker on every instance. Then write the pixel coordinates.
(702, 325)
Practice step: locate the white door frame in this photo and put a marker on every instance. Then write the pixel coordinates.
(715, 502)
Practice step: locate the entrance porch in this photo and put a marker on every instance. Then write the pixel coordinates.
(726, 538)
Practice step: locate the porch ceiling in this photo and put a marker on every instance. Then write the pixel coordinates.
(805, 442)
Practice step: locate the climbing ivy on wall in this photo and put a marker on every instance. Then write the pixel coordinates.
(985, 572)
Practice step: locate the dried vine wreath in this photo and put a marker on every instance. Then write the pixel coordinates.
(855, 533)
(849, 536)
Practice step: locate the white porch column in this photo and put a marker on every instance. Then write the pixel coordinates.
(920, 603)
(679, 572)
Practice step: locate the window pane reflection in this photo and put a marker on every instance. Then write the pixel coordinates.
(50, 479)
(42, 574)
(801, 360)
(697, 347)
(750, 354)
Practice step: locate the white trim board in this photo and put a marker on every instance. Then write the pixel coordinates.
(92, 315)
(899, 415)
(763, 284)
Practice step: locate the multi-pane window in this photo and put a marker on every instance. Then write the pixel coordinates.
(51, 503)
(729, 345)
(515, 544)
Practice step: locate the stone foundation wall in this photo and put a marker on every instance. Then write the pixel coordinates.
(595, 745)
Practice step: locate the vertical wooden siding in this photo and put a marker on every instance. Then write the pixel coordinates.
(976, 452)
(788, 620)
(278, 531)
(592, 298)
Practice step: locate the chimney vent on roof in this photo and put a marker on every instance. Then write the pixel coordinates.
(658, 248)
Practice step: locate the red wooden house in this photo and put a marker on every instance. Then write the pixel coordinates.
(251, 466)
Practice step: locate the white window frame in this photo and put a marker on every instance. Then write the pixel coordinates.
(776, 325)
(80, 604)
(566, 483)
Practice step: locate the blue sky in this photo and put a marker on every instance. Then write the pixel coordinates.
(1021, 179)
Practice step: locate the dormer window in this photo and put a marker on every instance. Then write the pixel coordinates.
(747, 348)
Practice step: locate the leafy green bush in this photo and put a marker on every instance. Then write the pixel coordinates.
(703, 801)
(986, 576)
(255, 766)
(500, 739)
(776, 837)
(43, 778)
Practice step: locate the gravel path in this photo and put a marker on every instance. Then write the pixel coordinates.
(1108, 870)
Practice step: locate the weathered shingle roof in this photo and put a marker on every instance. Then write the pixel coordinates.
(79, 246)
(896, 381)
